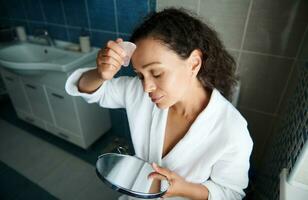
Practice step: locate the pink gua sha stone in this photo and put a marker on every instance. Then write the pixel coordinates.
(129, 49)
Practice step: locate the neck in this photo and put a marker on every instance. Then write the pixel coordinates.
(193, 102)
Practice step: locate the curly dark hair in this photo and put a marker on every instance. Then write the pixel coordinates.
(182, 31)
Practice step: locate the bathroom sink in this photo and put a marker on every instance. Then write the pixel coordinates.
(29, 58)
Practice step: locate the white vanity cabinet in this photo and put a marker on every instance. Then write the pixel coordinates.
(42, 101)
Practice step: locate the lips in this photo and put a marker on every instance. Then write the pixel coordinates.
(156, 99)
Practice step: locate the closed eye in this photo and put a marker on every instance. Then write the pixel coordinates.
(157, 75)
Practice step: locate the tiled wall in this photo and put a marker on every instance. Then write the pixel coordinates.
(64, 19)
(290, 131)
(291, 135)
(264, 36)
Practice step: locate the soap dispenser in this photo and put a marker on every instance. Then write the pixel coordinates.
(84, 41)
(21, 33)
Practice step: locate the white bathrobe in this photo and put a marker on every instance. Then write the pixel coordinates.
(214, 152)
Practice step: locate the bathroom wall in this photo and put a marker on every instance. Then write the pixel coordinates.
(290, 132)
(64, 19)
(265, 37)
(290, 135)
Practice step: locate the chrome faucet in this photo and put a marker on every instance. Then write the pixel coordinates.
(42, 33)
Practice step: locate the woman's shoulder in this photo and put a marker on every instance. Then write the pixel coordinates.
(226, 109)
(233, 123)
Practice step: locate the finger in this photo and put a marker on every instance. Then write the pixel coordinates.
(155, 175)
(107, 62)
(113, 54)
(119, 40)
(166, 195)
(164, 171)
(116, 47)
(104, 67)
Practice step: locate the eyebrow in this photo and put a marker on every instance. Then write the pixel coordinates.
(146, 65)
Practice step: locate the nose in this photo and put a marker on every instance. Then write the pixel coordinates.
(148, 86)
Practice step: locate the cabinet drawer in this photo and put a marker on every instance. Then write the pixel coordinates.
(63, 109)
(66, 135)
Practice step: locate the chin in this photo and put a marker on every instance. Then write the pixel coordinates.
(162, 106)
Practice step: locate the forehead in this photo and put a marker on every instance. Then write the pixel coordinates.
(151, 50)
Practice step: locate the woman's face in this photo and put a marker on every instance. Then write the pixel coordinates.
(164, 75)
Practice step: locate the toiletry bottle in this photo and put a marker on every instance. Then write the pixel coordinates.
(84, 41)
(21, 33)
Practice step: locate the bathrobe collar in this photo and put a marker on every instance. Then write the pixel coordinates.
(191, 138)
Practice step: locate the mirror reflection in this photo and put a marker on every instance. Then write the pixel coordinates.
(130, 175)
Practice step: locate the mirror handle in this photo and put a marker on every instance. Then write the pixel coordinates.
(122, 150)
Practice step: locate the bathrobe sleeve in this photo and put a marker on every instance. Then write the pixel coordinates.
(114, 93)
(229, 174)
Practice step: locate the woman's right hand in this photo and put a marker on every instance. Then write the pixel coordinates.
(110, 59)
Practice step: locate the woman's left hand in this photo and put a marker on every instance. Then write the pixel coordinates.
(177, 183)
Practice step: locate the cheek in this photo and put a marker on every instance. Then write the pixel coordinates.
(174, 86)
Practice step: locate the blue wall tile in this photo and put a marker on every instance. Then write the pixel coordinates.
(53, 11)
(35, 26)
(16, 9)
(95, 15)
(5, 22)
(57, 32)
(99, 39)
(152, 4)
(128, 71)
(75, 13)
(74, 34)
(21, 23)
(101, 14)
(34, 10)
(130, 13)
(3, 9)
(124, 36)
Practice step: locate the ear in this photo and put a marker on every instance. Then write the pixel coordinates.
(195, 61)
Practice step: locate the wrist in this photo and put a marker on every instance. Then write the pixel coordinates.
(194, 191)
(98, 75)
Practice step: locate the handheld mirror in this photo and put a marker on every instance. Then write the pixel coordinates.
(129, 175)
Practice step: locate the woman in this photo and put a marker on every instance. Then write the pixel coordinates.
(179, 117)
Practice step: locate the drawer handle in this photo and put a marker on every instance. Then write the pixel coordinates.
(57, 95)
(31, 86)
(29, 119)
(9, 78)
(63, 135)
